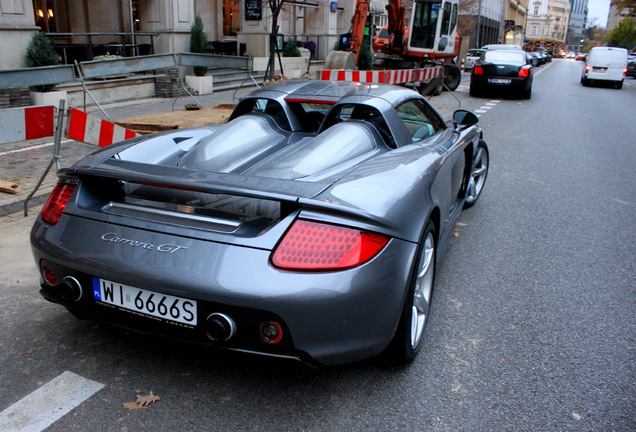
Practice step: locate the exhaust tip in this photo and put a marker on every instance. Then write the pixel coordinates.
(70, 289)
(220, 327)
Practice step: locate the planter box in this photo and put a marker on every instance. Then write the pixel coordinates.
(200, 84)
(293, 67)
(49, 98)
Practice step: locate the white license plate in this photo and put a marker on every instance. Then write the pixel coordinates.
(599, 69)
(499, 81)
(146, 302)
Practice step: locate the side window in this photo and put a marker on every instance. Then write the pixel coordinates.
(446, 19)
(420, 120)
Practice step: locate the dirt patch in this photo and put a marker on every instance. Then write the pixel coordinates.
(186, 119)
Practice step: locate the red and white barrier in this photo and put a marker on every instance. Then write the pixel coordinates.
(463, 65)
(93, 130)
(19, 124)
(398, 76)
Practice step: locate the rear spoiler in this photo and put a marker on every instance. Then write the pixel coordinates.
(202, 181)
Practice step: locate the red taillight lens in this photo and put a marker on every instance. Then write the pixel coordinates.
(318, 246)
(587, 68)
(58, 199)
(524, 72)
(478, 70)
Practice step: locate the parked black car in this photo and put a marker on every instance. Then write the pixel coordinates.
(507, 71)
(631, 65)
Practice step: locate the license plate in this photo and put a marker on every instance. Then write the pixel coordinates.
(146, 302)
(499, 81)
(599, 69)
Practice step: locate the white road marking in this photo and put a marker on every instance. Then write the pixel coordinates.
(481, 111)
(486, 107)
(48, 404)
(32, 148)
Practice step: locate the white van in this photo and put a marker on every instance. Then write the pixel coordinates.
(605, 64)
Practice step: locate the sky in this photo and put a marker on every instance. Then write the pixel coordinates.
(598, 9)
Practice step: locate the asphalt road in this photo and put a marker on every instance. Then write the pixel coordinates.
(533, 325)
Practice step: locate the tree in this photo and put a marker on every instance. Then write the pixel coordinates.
(198, 43)
(275, 6)
(623, 35)
(40, 52)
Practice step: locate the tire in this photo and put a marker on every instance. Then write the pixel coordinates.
(526, 94)
(478, 175)
(585, 82)
(453, 77)
(618, 85)
(474, 92)
(407, 340)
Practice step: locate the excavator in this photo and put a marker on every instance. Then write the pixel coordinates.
(430, 40)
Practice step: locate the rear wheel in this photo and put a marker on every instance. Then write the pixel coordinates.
(453, 77)
(619, 85)
(526, 94)
(408, 337)
(478, 175)
(474, 92)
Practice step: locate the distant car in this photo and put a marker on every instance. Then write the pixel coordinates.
(309, 226)
(472, 56)
(631, 66)
(506, 71)
(580, 56)
(533, 58)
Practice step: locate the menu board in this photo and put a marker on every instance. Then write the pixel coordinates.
(253, 10)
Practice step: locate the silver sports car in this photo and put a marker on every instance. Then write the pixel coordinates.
(308, 226)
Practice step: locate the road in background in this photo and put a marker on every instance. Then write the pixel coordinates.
(533, 321)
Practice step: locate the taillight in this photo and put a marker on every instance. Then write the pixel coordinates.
(478, 70)
(318, 246)
(625, 70)
(55, 204)
(587, 68)
(524, 72)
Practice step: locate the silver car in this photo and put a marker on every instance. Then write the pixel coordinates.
(309, 226)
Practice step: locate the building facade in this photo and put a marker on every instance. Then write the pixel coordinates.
(577, 25)
(514, 26)
(547, 25)
(482, 21)
(615, 16)
(82, 29)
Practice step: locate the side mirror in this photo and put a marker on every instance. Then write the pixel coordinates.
(443, 43)
(463, 117)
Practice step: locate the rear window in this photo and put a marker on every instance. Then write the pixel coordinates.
(504, 57)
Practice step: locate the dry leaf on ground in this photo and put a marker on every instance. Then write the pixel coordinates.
(142, 402)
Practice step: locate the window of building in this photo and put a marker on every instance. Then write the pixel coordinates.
(534, 30)
(45, 15)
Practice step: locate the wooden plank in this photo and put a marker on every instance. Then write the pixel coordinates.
(8, 187)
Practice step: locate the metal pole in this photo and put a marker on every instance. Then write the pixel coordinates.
(57, 140)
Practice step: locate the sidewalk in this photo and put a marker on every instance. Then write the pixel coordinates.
(24, 162)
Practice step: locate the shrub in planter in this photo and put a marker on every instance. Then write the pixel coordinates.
(291, 49)
(40, 52)
(198, 43)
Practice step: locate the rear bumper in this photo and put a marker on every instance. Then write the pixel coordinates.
(485, 82)
(328, 317)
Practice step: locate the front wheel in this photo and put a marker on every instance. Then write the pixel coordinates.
(408, 337)
(478, 175)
